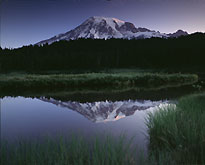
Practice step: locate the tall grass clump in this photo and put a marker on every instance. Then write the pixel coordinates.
(179, 131)
(75, 151)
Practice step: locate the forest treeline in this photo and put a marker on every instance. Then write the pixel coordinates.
(155, 53)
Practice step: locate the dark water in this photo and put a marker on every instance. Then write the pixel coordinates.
(33, 118)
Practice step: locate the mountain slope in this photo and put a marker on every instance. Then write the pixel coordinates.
(105, 28)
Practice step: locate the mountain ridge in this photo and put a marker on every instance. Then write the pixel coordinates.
(105, 28)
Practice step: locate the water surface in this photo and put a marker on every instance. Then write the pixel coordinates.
(33, 118)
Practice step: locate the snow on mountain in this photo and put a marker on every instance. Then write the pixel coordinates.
(105, 111)
(105, 28)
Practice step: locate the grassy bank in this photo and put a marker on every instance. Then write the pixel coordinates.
(76, 151)
(180, 131)
(93, 81)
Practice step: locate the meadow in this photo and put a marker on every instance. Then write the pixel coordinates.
(92, 81)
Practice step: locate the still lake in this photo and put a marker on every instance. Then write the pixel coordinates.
(28, 118)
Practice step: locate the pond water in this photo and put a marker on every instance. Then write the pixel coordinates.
(33, 118)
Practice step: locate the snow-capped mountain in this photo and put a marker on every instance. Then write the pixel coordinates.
(105, 111)
(105, 28)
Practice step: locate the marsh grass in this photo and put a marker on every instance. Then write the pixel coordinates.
(77, 150)
(93, 81)
(60, 151)
(179, 131)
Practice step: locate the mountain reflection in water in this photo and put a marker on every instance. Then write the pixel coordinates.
(35, 118)
(105, 111)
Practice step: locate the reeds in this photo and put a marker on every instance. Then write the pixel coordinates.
(179, 131)
(63, 151)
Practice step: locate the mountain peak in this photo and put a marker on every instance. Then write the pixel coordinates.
(107, 19)
(106, 25)
(98, 27)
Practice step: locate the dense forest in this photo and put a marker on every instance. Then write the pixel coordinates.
(181, 53)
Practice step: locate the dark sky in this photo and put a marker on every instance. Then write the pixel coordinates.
(25, 22)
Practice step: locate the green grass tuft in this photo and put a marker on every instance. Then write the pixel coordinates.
(179, 131)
